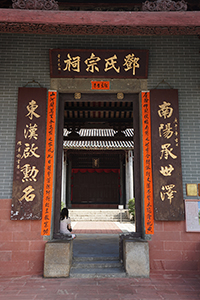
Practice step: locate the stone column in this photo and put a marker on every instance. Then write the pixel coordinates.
(136, 257)
(121, 182)
(58, 258)
(64, 180)
(129, 176)
(69, 171)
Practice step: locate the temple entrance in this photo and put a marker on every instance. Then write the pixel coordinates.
(98, 153)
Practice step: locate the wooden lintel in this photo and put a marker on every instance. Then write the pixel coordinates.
(103, 109)
(97, 138)
(98, 120)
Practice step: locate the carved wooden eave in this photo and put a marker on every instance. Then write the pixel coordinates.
(99, 23)
(164, 5)
(35, 4)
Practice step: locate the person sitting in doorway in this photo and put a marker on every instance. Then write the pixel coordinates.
(65, 223)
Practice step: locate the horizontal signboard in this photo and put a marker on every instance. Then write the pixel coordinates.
(65, 63)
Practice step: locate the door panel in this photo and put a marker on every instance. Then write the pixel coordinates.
(95, 188)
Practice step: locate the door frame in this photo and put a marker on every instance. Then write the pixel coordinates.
(137, 165)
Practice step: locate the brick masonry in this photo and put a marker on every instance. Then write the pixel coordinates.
(173, 249)
(21, 245)
(174, 59)
(26, 57)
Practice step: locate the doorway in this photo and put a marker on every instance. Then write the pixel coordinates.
(98, 112)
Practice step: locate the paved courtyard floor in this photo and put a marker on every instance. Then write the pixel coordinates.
(157, 287)
(102, 227)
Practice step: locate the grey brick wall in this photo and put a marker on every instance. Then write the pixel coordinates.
(174, 59)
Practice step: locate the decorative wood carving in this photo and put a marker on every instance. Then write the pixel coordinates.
(164, 5)
(97, 30)
(35, 4)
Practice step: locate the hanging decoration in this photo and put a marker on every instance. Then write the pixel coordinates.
(147, 164)
(29, 154)
(49, 163)
(166, 156)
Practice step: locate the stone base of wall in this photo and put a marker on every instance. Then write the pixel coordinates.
(21, 244)
(171, 248)
(136, 257)
(174, 250)
(58, 258)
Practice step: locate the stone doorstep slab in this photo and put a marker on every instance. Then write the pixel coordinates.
(58, 258)
(101, 264)
(98, 273)
(136, 257)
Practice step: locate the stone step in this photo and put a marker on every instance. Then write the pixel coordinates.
(94, 258)
(98, 273)
(111, 215)
(97, 267)
(95, 264)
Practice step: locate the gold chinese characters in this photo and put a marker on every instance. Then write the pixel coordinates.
(73, 63)
(167, 131)
(27, 150)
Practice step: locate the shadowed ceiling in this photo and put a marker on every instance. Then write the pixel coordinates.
(102, 5)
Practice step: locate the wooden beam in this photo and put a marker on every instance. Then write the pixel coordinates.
(132, 19)
(97, 138)
(103, 109)
(100, 23)
(98, 120)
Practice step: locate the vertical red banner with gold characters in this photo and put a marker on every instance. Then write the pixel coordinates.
(28, 175)
(49, 163)
(147, 163)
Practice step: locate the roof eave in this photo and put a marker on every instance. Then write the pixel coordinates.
(95, 22)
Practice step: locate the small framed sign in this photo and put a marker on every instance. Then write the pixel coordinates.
(191, 189)
(192, 212)
(100, 85)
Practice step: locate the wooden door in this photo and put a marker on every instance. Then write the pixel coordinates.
(97, 190)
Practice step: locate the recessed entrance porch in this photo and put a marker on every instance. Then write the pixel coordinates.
(92, 119)
(99, 139)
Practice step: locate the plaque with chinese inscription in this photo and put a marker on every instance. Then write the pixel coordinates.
(49, 163)
(66, 63)
(29, 154)
(147, 164)
(100, 85)
(167, 173)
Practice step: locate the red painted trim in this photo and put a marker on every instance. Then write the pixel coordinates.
(101, 18)
(49, 163)
(99, 23)
(147, 164)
